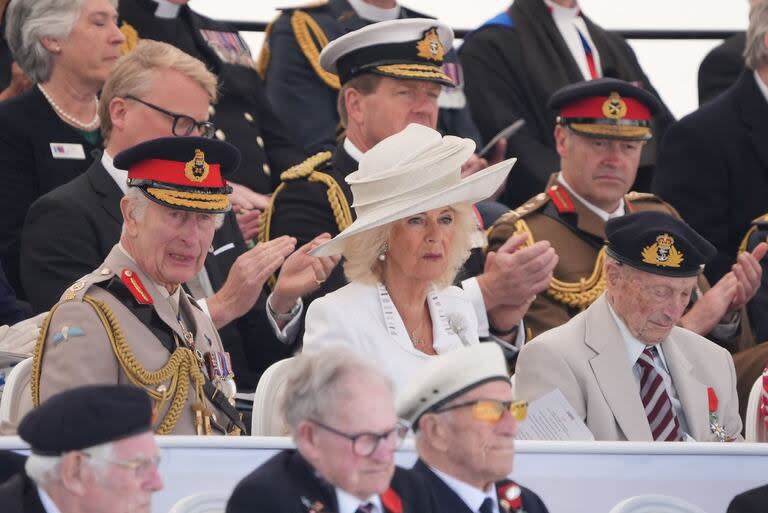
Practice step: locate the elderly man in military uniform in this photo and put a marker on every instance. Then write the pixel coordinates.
(92, 449)
(629, 371)
(600, 132)
(391, 76)
(130, 321)
(243, 115)
(461, 409)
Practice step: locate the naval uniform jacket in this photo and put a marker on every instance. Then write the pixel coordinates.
(513, 64)
(29, 130)
(243, 115)
(71, 230)
(299, 90)
(19, 495)
(713, 168)
(287, 483)
(447, 500)
(577, 234)
(78, 349)
(586, 358)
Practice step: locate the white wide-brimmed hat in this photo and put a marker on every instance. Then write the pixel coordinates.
(411, 172)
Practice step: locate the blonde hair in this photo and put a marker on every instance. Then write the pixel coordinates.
(361, 252)
(755, 52)
(134, 73)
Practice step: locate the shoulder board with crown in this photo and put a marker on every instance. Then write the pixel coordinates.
(515, 219)
(758, 223)
(312, 39)
(634, 197)
(317, 162)
(527, 208)
(77, 290)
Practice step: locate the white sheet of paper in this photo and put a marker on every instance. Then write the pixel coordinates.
(551, 417)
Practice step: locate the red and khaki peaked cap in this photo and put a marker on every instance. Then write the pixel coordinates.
(186, 173)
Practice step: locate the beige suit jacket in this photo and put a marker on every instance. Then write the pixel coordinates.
(86, 355)
(587, 360)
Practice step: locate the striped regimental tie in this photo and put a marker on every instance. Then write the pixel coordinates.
(665, 427)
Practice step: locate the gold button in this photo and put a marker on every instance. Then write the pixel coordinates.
(220, 135)
(260, 141)
(105, 271)
(248, 117)
(211, 110)
(128, 273)
(266, 169)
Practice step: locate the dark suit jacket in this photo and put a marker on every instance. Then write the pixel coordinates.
(243, 113)
(71, 230)
(751, 501)
(19, 495)
(11, 463)
(280, 484)
(721, 67)
(447, 501)
(713, 168)
(511, 71)
(28, 128)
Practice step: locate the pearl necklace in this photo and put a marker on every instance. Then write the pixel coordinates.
(91, 125)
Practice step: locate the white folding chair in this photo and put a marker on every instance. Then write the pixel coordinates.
(205, 502)
(655, 504)
(266, 419)
(17, 394)
(754, 426)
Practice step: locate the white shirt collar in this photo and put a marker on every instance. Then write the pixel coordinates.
(634, 346)
(166, 9)
(602, 214)
(560, 12)
(472, 497)
(761, 85)
(120, 176)
(349, 503)
(373, 13)
(48, 504)
(353, 151)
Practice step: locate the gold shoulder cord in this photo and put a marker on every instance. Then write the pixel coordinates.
(181, 369)
(579, 294)
(745, 240)
(306, 28)
(262, 62)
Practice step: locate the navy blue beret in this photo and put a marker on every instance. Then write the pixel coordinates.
(658, 243)
(86, 416)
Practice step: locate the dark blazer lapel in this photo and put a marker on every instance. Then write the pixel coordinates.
(754, 112)
(444, 496)
(313, 487)
(107, 189)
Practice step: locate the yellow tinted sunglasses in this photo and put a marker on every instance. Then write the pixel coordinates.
(491, 410)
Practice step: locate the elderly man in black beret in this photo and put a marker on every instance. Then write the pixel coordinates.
(624, 365)
(92, 450)
(461, 408)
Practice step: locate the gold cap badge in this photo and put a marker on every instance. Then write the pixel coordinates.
(614, 107)
(430, 47)
(196, 170)
(663, 253)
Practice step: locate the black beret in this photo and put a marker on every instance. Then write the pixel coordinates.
(185, 173)
(86, 416)
(658, 243)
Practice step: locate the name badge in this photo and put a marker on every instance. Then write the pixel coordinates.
(68, 151)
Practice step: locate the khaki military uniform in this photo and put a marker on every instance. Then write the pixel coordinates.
(115, 326)
(578, 236)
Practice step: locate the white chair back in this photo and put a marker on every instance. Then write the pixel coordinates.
(205, 502)
(266, 419)
(17, 394)
(754, 425)
(655, 504)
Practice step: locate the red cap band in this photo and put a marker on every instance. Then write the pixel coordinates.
(593, 107)
(178, 173)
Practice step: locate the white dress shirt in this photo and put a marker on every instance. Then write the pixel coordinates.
(570, 23)
(472, 497)
(373, 13)
(349, 503)
(599, 212)
(48, 503)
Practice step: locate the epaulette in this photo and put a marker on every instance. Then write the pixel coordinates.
(530, 206)
(317, 162)
(311, 39)
(761, 221)
(758, 223)
(77, 290)
(131, 36)
(633, 196)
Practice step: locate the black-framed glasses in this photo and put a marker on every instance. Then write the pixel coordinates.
(491, 410)
(183, 125)
(141, 467)
(365, 444)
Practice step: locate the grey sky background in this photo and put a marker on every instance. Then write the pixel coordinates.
(671, 65)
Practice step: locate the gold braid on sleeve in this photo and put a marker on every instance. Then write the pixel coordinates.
(312, 40)
(578, 294)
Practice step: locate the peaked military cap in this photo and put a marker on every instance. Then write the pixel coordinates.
(658, 243)
(186, 173)
(86, 416)
(409, 49)
(606, 108)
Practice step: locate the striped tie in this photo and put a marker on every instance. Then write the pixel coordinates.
(365, 508)
(658, 408)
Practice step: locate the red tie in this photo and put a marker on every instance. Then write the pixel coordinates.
(589, 54)
(658, 407)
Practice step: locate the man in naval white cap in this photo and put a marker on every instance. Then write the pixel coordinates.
(461, 409)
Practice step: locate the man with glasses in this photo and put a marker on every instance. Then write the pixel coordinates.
(92, 450)
(341, 416)
(157, 91)
(465, 420)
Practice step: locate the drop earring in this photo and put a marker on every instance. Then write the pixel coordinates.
(383, 254)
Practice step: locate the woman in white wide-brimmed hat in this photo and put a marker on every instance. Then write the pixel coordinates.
(414, 229)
